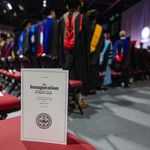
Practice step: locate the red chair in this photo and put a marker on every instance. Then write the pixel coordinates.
(16, 75)
(8, 103)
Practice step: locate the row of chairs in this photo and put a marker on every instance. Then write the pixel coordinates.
(10, 93)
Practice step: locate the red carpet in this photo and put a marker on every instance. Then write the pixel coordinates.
(10, 139)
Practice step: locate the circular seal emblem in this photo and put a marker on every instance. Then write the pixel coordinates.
(43, 121)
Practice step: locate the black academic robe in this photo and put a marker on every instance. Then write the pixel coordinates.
(76, 61)
(33, 55)
(94, 79)
(51, 44)
(123, 66)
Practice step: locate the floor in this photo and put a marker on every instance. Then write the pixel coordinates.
(118, 119)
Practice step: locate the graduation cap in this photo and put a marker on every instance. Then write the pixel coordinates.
(73, 3)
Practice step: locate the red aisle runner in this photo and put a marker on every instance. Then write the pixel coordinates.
(10, 139)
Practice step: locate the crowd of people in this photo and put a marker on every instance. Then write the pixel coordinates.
(75, 42)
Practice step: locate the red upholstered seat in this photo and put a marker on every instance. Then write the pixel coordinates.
(8, 102)
(75, 83)
(10, 139)
(16, 75)
(2, 71)
(119, 73)
(114, 74)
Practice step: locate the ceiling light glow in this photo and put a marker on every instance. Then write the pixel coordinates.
(4, 11)
(21, 7)
(9, 6)
(44, 3)
(145, 34)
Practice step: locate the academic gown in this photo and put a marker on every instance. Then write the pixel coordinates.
(94, 79)
(23, 48)
(33, 45)
(125, 45)
(123, 66)
(50, 44)
(77, 60)
(105, 61)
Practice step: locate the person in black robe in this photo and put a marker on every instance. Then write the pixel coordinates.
(49, 57)
(24, 45)
(73, 43)
(122, 51)
(94, 79)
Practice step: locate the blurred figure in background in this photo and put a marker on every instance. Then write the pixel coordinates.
(73, 43)
(105, 61)
(121, 61)
(96, 43)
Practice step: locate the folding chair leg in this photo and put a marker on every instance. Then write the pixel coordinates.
(77, 100)
(3, 116)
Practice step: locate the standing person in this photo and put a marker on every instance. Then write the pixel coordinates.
(105, 61)
(73, 43)
(122, 53)
(49, 30)
(96, 42)
(24, 46)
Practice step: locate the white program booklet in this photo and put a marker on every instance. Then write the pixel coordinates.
(44, 105)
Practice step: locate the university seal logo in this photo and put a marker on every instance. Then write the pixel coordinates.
(43, 121)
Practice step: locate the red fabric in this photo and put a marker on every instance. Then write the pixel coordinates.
(41, 48)
(10, 139)
(75, 83)
(119, 58)
(16, 75)
(116, 73)
(7, 50)
(4, 72)
(81, 21)
(69, 39)
(8, 102)
(119, 73)
(133, 42)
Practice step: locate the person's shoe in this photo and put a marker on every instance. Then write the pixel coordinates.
(83, 105)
